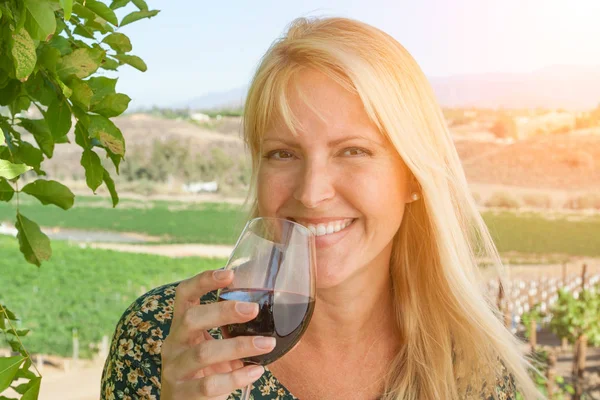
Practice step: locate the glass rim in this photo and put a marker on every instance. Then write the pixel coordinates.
(302, 227)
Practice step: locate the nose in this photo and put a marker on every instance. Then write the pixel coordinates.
(315, 184)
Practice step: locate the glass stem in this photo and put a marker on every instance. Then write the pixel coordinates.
(246, 392)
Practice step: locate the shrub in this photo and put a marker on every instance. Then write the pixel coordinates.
(537, 200)
(584, 201)
(503, 200)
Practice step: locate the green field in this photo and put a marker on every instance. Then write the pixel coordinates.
(213, 223)
(174, 222)
(533, 234)
(89, 289)
(86, 289)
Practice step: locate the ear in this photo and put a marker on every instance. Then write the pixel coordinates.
(414, 192)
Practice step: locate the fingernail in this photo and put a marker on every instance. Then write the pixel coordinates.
(221, 275)
(264, 342)
(255, 372)
(246, 308)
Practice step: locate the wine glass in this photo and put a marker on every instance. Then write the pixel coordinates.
(274, 262)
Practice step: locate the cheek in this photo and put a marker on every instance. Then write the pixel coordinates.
(377, 191)
(274, 188)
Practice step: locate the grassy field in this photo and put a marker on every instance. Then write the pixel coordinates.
(89, 289)
(212, 223)
(531, 233)
(79, 288)
(174, 222)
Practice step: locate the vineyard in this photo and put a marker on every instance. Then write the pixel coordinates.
(560, 318)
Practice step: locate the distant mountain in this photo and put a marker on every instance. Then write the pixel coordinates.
(233, 98)
(560, 86)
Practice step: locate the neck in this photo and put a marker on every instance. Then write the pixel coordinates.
(355, 313)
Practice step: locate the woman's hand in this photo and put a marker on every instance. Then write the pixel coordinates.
(196, 366)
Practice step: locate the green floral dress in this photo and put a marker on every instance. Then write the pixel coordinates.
(132, 368)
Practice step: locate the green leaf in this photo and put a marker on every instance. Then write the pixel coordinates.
(58, 117)
(67, 92)
(9, 170)
(14, 344)
(112, 105)
(19, 104)
(10, 92)
(83, 12)
(9, 314)
(141, 4)
(82, 93)
(8, 369)
(40, 131)
(103, 11)
(82, 30)
(67, 6)
(34, 244)
(34, 389)
(99, 25)
(49, 57)
(40, 22)
(81, 136)
(118, 42)
(115, 158)
(30, 155)
(51, 192)
(22, 50)
(25, 373)
(109, 64)
(2, 138)
(101, 86)
(19, 333)
(93, 169)
(118, 4)
(6, 193)
(81, 63)
(61, 44)
(137, 15)
(134, 61)
(110, 184)
(40, 89)
(107, 133)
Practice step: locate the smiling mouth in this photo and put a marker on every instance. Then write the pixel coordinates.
(329, 228)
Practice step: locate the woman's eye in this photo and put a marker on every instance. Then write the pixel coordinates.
(354, 152)
(279, 155)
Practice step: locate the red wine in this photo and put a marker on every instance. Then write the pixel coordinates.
(282, 315)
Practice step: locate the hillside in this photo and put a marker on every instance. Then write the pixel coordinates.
(560, 162)
(565, 162)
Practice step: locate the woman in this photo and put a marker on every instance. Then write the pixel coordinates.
(346, 137)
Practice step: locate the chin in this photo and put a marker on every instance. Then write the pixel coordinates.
(331, 275)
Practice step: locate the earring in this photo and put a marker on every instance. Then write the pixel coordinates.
(414, 196)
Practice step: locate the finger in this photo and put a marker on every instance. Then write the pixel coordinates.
(208, 353)
(189, 291)
(189, 329)
(220, 384)
(221, 368)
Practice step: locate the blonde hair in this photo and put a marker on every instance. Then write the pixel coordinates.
(453, 343)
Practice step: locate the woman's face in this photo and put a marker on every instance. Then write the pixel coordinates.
(339, 177)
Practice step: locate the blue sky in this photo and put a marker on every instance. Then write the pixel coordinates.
(195, 47)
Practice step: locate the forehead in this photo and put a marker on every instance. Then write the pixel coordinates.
(316, 106)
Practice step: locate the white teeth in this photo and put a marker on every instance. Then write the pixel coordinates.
(330, 228)
(321, 230)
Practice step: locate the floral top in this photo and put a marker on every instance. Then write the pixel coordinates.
(132, 368)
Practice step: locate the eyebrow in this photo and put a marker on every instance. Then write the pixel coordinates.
(332, 143)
